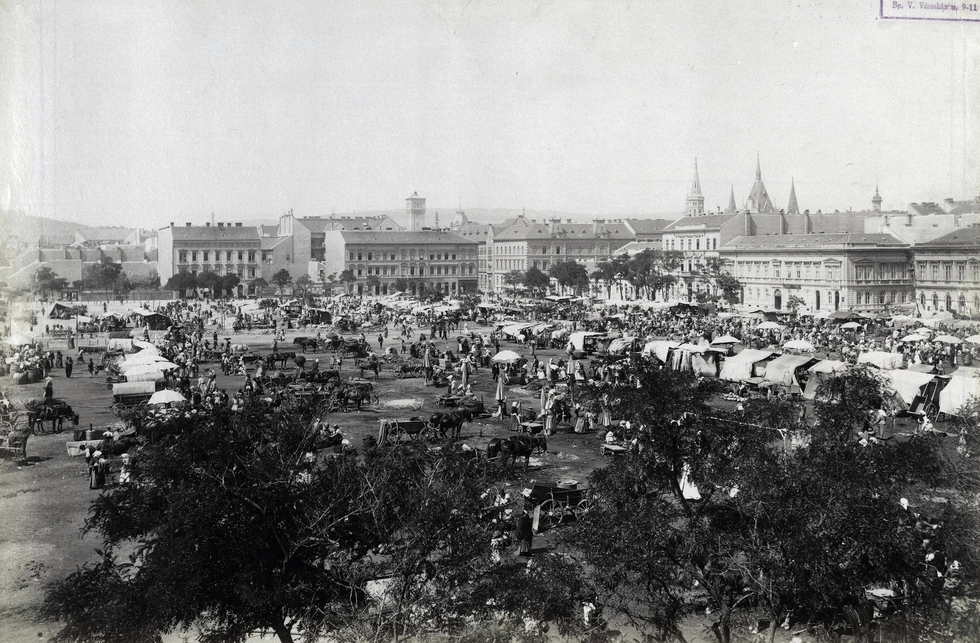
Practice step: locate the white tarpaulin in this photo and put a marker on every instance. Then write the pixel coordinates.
(820, 373)
(782, 370)
(908, 383)
(739, 367)
(881, 359)
(659, 349)
(963, 385)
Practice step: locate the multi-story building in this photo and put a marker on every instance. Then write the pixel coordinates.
(413, 261)
(223, 249)
(527, 244)
(826, 272)
(482, 234)
(947, 273)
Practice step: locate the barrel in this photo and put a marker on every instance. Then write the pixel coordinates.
(568, 484)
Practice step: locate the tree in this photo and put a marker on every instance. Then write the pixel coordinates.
(258, 284)
(232, 496)
(47, 282)
(799, 532)
(303, 283)
(230, 282)
(536, 281)
(373, 283)
(570, 274)
(181, 282)
(331, 280)
(281, 279)
(794, 302)
(401, 284)
(209, 281)
(514, 278)
(347, 278)
(718, 282)
(103, 275)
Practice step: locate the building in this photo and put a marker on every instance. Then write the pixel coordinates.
(527, 244)
(482, 234)
(412, 261)
(415, 207)
(222, 248)
(71, 263)
(650, 230)
(695, 199)
(947, 273)
(825, 272)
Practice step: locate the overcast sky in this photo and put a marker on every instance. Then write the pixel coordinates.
(144, 112)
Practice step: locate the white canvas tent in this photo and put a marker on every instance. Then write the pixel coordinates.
(907, 384)
(782, 370)
(963, 385)
(660, 348)
(740, 367)
(882, 360)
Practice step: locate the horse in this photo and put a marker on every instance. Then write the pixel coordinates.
(279, 358)
(515, 447)
(38, 414)
(451, 423)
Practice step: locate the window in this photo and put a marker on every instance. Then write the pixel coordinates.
(960, 272)
(962, 303)
(351, 257)
(182, 256)
(798, 270)
(205, 256)
(922, 300)
(697, 244)
(454, 256)
(359, 256)
(241, 255)
(935, 302)
(775, 270)
(949, 302)
(359, 272)
(947, 272)
(935, 271)
(369, 256)
(251, 256)
(194, 255)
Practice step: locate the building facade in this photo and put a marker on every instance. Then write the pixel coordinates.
(825, 272)
(223, 248)
(414, 262)
(947, 273)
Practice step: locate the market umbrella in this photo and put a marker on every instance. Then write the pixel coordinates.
(166, 396)
(799, 344)
(948, 339)
(911, 338)
(300, 360)
(725, 339)
(973, 339)
(769, 325)
(506, 356)
(851, 325)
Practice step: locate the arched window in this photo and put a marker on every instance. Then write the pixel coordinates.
(359, 256)
(962, 303)
(949, 302)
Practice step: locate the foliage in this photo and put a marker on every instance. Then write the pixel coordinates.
(514, 278)
(373, 282)
(303, 283)
(230, 282)
(207, 280)
(103, 275)
(347, 278)
(719, 283)
(401, 284)
(536, 281)
(47, 282)
(281, 279)
(296, 540)
(570, 274)
(182, 282)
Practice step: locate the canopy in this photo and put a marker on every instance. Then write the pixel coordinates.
(852, 325)
(799, 345)
(882, 359)
(577, 339)
(56, 308)
(513, 329)
(973, 339)
(620, 345)
(141, 369)
(739, 367)
(912, 338)
(166, 396)
(782, 370)
(947, 339)
(963, 385)
(844, 314)
(725, 339)
(828, 366)
(659, 348)
(143, 357)
(908, 383)
(820, 373)
(506, 356)
(770, 325)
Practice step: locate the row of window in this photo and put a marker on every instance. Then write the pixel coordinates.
(883, 271)
(555, 250)
(882, 297)
(395, 271)
(948, 300)
(408, 253)
(801, 270)
(206, 255)
(689, 243)
(241, 271)
(932, 270)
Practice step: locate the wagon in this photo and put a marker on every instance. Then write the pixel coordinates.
(552, 505)
(13, 441)
(129, 394)
(411, 428)
(412, 368)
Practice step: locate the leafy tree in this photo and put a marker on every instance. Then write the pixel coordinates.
(47, 282)
(401, 284)
(258, 284)
(281, 279)
(181, 282)
(718, 282)
(347, 278)
(373, 284)
(294, 540)
(513, 279)
(230, 282)
(209, 281)
(303, 283)
(103, 274)
(793, 303)
(570, 274)
(536, 281)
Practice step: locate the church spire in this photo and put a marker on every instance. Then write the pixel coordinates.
(732, 208)
(793, 207)
(695, 199)
(876, 200)
(758, 167)
(758, 201)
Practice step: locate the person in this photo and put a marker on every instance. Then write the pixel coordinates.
(48, 390)
(524, 534)
(381, 342)
(91, 368)
(69, 365)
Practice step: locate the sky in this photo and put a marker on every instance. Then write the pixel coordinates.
(143, 112)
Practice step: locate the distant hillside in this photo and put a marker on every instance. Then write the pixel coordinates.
(23, 226)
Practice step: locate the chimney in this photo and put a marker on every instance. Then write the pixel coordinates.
(807, 223)
(187, 224)
(171, 224)
(238, 224)
(553, 224)
(949, 203)
(207, 224)
(221, 224)
(568, 220)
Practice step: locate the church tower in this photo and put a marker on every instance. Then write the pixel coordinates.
(732, 208)
(415, 206)
(759, 201)
(695, 200)
(793, 207)
(876, 200)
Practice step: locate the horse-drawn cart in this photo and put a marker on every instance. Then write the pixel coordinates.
(400, 430)
(130, 394)
(555, 505)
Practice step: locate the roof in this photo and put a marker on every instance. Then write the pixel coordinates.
(647, 226)
(526, 229)
(704, 221)
(320, 224)
(214, 233)
(964, 207)
(636, 247)
(402, 237)
(474, 230)
(957, 238)
(268, 243)
(804, 241)
(927, 207)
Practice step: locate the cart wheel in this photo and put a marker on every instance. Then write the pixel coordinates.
(932, 411)
(583, 508)
(550, 513)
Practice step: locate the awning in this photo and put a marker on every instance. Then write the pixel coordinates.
(659, 348)
(739, 367)
(882, 359)
(963, 385)
(782, 370)
(908, 383)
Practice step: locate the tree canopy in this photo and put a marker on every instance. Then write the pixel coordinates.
(103, 275)
(182, 282)
(536, 281)
(47, 283)
(570, 274)
(281, 279)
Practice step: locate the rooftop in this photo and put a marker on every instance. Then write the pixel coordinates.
(403, 237)
(321, 224)
(806, 241)
(704, 221)
(961, 237)
(214, 233)
(523, 229)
